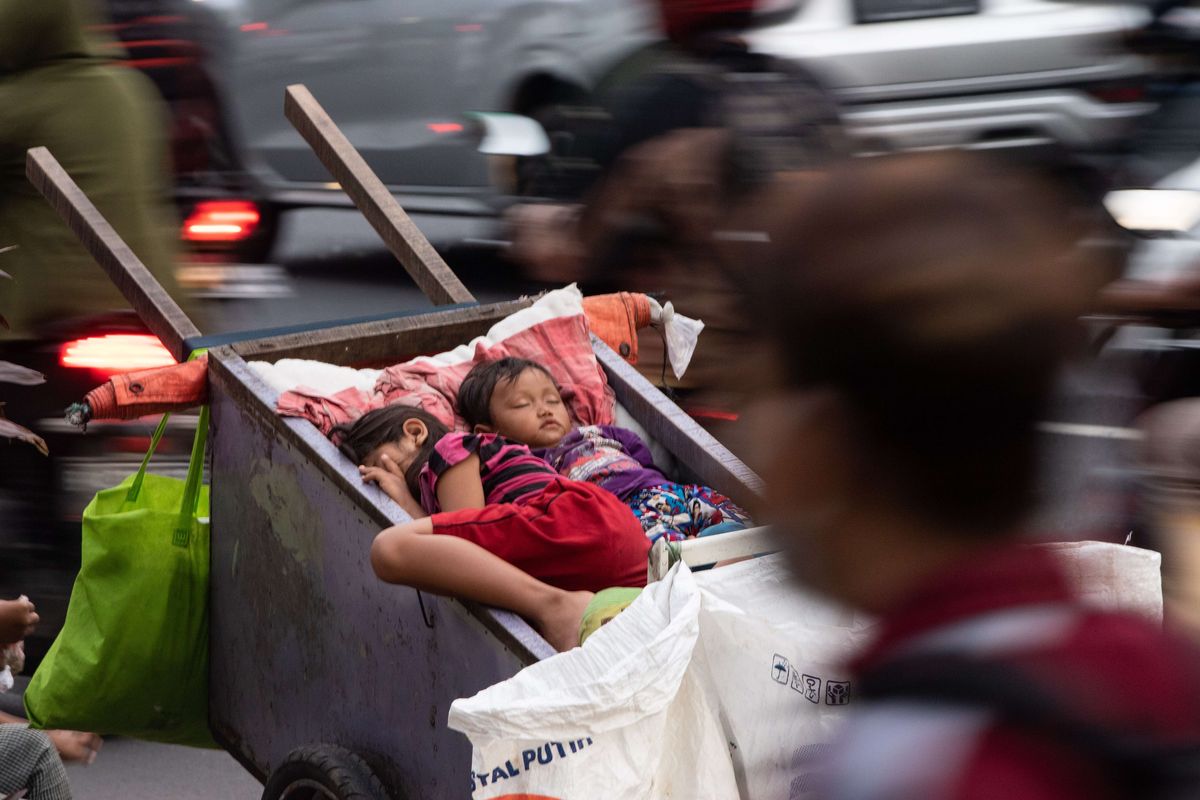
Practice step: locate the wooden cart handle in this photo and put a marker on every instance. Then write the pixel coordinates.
(402, 237)
(152, 303)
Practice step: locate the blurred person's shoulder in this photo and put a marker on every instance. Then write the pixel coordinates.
(1024, 667)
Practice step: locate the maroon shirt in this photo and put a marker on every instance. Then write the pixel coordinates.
(1012, 606)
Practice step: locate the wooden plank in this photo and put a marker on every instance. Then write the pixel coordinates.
(152, 303)
(389, 341)
(402, 237)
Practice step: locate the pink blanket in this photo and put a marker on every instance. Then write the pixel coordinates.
(559, 341)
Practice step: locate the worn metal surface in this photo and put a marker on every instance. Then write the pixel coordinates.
(307, 644)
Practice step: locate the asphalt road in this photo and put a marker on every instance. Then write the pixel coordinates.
(128, 769)
(330, 265)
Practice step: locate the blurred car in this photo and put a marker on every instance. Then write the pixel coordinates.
(225, 216)
(397, 78)
(978, 74)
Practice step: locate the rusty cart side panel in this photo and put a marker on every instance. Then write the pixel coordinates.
(307, 644)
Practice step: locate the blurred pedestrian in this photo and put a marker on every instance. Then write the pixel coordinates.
(1170, 461)
(915, 314)
(105, 123)
(689, 131)
(61, 88)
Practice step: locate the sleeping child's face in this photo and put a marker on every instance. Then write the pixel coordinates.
(528, 409)
(404, 450)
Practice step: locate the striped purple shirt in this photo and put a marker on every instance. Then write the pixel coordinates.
(510, 473)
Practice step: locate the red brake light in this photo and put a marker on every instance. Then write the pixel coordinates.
(445, 127)
(1118, 92)
(116, 352)
(221, 221)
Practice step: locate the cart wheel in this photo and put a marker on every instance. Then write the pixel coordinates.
(323, 772)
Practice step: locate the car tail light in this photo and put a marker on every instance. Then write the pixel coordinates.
(1118, 92)
(221, 221)
(116, 352)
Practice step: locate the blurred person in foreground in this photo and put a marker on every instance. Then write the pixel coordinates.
(105, 124)
(915, 312)
(690, 130)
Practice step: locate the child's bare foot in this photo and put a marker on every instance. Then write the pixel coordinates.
(76, 745)
(558, 622)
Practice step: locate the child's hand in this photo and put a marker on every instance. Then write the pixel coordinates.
(390, 478)
(18, 618)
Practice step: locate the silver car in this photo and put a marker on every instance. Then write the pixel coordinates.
(980, 74)
(396, 76)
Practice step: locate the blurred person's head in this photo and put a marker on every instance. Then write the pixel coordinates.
(915, 313)
(32, 34)
(686, 19)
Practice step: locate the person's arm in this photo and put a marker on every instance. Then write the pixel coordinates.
(461, 486)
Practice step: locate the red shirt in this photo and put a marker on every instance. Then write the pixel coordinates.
(1013, 606)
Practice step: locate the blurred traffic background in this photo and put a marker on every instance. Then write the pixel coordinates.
(1101, 96)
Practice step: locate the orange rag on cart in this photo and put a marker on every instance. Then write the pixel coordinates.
(151, 391)
(616, 319)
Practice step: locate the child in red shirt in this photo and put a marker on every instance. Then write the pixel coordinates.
(508, 530)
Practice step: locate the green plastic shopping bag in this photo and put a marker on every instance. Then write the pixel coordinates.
(132, 658)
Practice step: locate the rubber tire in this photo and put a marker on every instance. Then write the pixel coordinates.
(335, 769)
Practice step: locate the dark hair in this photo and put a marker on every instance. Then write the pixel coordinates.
(937, 295)
(475, 394)
(377, 428)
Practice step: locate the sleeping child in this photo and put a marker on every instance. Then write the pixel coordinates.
(492, 522)
(519, 400)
